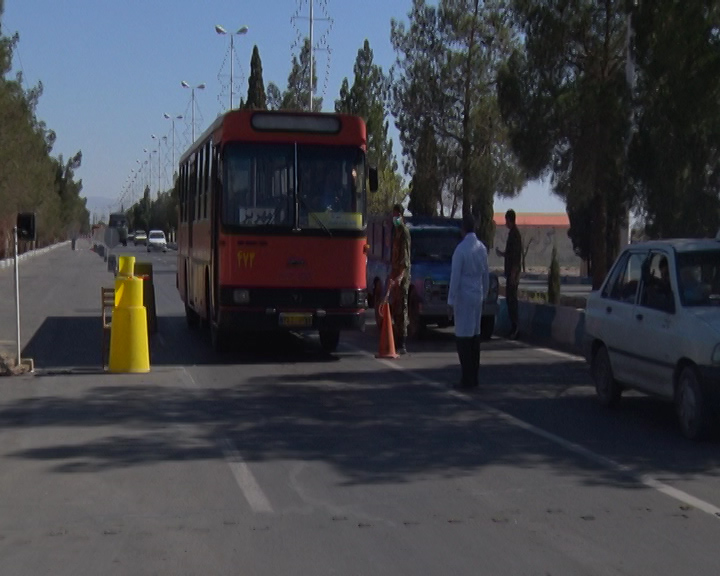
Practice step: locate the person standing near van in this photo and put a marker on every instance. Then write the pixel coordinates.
(400, 278)
(469, 284)
(513, 263)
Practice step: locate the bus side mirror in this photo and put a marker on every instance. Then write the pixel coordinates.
(373, 176)
(26, 225)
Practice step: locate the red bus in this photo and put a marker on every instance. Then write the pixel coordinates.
(272, 225)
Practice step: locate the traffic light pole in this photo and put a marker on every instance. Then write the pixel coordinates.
(17, 295)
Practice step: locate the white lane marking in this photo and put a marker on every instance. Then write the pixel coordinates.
(644, 479)
(245, 479)
(240, 470)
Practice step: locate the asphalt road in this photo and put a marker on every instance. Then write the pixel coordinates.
(279, 459)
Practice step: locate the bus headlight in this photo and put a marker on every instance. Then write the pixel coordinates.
(241, 296)
(353, 298)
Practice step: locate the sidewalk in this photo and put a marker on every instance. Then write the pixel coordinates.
(59, 302)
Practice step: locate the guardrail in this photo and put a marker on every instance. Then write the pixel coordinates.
(7, 262)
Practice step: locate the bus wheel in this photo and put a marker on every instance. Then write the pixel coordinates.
(193, 320)
(218, 338)
(329, 340)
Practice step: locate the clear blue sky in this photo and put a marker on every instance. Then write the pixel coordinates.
(110, 69)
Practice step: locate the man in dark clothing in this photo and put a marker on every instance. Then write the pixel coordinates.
(513, 263)
(400, 278)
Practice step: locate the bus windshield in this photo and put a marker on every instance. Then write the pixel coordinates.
(331, 187)
(260, 186)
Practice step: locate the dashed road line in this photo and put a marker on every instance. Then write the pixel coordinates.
(607, 463)
(247, 483)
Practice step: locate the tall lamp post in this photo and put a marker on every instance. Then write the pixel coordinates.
(242, 30)
(159, 139)
(192, 91)
(173, 118)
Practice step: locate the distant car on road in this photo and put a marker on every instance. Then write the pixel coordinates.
(654, 326)
(140, 237)
(156, 241)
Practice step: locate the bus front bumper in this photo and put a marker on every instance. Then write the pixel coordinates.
(271, 319)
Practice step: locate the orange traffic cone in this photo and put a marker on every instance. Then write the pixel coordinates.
(387, 340)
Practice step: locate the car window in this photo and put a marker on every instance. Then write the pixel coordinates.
(616, 271)
(625, 286)
(699, 278)
(657, 292)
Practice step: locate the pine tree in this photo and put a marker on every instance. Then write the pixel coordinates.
(554, 279)
(256, 99)
(367, 98)
(297, 95)
(425, 185)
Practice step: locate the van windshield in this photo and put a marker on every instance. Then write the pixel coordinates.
(436, 244)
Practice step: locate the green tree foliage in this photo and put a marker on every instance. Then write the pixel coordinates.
(28, 174)
(256, 99)
(565, 99)
(274, 97)
(367, 98)
(445, 71)
(297, 95)
(425, 184)
(675, 154)
(158, 214)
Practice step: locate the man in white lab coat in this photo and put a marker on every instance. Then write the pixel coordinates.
(469, 283)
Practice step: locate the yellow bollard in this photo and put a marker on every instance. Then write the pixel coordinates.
(129, 348)
(126, 266)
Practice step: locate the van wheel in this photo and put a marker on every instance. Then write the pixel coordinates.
(691, 405)
(606, 387)
(329, 340)
(415, 323)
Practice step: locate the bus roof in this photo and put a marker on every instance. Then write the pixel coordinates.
(283, 126)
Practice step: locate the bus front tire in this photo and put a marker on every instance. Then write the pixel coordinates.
(329, 340)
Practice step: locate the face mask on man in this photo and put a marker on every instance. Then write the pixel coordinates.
(397, 220)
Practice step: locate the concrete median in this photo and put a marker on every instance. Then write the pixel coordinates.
(560, 326)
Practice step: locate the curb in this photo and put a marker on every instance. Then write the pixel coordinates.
(562, 327)
(7, 262)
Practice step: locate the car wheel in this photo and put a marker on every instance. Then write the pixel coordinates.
(691, 405)
(606, 387)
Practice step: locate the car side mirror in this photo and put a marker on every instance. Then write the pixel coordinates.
(373, 177)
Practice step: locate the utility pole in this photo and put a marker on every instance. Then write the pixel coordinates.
(311, 56)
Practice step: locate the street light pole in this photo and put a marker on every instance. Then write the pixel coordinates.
(242, 30)
(173, 118)
(311, 56)
(192, 91)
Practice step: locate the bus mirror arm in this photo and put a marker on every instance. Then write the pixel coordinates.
(373, 176)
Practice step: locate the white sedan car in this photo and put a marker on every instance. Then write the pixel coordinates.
(654, 326)
(156, 241)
